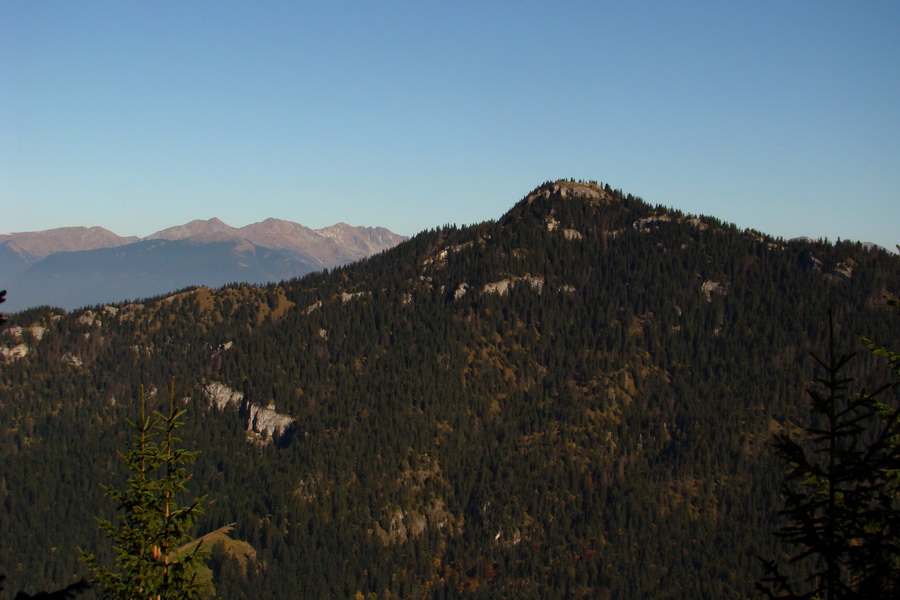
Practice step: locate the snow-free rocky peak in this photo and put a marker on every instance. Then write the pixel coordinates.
(43, 267)
(199, 230)
(39, 244)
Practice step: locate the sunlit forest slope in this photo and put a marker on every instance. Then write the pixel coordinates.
(574, 401)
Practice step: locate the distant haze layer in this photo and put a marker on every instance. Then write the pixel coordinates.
(71, 267)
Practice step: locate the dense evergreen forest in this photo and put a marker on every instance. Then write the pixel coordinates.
(575, 400)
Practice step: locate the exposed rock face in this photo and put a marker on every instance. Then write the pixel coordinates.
(20, 334)
(652, 222)
(503, 286)
(262, 422)
(844, 270)
(508, 539)
(553, 224)
(439, 260)
(396, 531)
(266, 421)
(35, 331)
(709, 287)
(696, 222)
(89, 319)
(220, 395)
(422, 482)
(802, 239)
(571, 189)
(498, 287)
(129, 312)
(345, 297)
(648, 223)
(71, 359)
(809, 261)
(399, 526)
(461, 291)
(535, 282)
(15, 353)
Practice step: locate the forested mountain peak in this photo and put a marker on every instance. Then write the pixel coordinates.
(590, 191)
(574, 400)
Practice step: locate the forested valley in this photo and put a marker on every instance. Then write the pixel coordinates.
(576, 400)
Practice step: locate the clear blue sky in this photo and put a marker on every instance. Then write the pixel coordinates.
(781, 116)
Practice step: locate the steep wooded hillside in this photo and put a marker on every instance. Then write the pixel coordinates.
(573, 401)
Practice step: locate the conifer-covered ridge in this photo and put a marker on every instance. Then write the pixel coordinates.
(575, 400)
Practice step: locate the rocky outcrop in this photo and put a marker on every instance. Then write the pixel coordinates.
(503, 286)
(266, 422)
(261, 423)
(36, 332)
(72, 360)
(568, 233)
(654, 221)
(14, 353)
(347, 297)
(589, 191)
(648, 223)
(89, 319)
(710, 287)
(498, 287)
(809, 261)
(399, 525)
(844, 270)
(221, 396)
(129, 312)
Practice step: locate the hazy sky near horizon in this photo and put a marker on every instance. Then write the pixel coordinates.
(136, 116)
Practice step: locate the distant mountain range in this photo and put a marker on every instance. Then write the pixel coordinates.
(72, 267)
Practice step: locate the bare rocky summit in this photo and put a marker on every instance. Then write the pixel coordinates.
(39, 244)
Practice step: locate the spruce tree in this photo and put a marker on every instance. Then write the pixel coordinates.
(153, 525)
(841, 492)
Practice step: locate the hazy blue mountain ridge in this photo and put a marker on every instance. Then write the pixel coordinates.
(74, 267)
